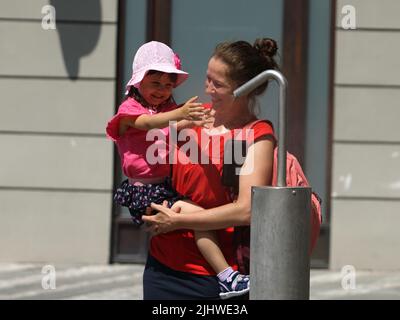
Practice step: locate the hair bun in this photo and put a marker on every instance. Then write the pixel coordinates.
(266, 47)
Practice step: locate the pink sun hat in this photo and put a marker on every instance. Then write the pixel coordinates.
(156, 56)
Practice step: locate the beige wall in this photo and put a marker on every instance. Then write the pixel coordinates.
(366, 153)
(56, 164)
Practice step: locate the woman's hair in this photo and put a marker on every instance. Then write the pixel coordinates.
(245, 61)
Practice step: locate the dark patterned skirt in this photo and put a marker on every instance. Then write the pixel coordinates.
(138, 198)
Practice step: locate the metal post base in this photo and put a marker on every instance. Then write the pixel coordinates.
(280, 236)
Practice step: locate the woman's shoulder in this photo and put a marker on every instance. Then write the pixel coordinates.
(263, 124)
(263, 128)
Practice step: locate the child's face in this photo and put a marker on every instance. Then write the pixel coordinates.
(156, 88)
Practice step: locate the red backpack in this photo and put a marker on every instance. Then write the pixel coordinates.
(294, 177)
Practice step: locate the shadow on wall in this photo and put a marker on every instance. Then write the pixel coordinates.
(77, 40)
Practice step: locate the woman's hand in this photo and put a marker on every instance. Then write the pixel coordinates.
(162, 222)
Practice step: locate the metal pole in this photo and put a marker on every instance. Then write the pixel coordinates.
(250, 86)
(280, 222)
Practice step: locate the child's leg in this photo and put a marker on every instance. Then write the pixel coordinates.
(231, 283)
(206, 241)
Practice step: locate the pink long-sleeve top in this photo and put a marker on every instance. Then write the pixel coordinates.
(132, 145)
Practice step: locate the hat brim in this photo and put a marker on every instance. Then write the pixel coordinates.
(138, 76)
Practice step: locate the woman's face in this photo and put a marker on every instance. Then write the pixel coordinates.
(218, 86)
(156, 88)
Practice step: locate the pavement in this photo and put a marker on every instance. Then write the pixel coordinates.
(124, 282)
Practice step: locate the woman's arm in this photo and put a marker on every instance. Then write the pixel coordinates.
(232, 214)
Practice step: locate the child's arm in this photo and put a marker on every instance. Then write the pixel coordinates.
(189, 111)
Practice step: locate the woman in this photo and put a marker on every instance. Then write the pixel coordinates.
(175, 268)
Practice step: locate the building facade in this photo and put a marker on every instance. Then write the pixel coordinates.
(366, 138)
(57, 90)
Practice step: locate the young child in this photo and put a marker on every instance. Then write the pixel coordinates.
(149, 105)
(156, 70)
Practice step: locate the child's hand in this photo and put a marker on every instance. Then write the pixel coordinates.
(192, 111)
